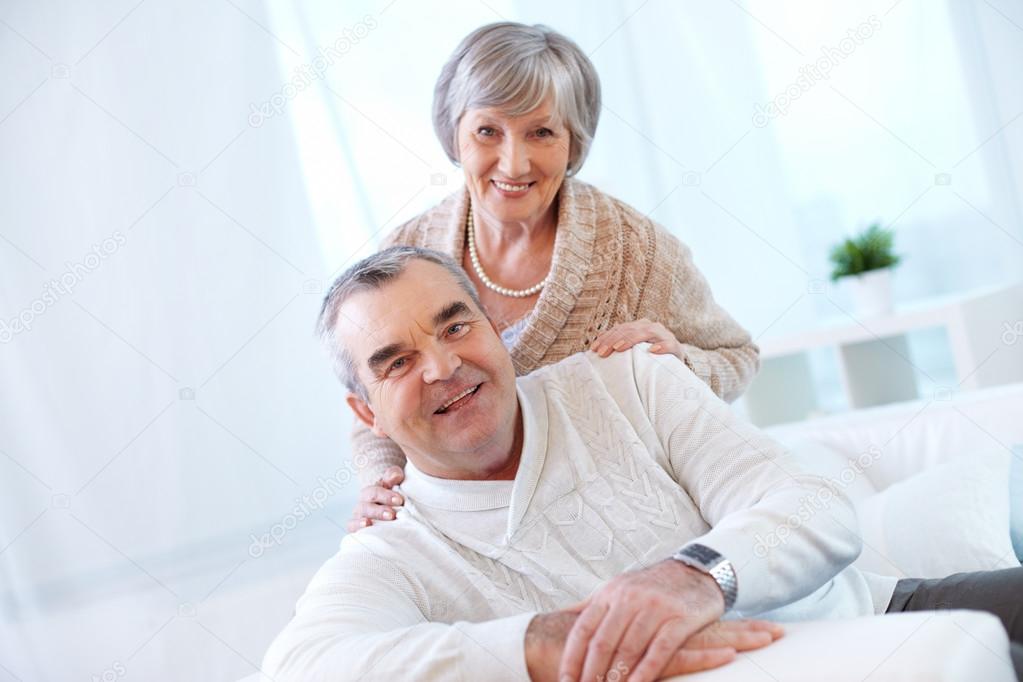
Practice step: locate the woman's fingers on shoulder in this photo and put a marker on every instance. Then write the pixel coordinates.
(355, 525)
(393, 476)
(370, 493)
(375, 495)
(374, 510)
(385, 495)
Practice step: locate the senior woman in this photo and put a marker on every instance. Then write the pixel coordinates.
(560, 266)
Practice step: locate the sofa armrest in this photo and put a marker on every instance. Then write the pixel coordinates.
(931, 646)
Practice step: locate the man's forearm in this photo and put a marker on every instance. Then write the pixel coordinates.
(318, 645)
(544, 642)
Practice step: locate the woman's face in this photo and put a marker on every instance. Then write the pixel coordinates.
(513, 166)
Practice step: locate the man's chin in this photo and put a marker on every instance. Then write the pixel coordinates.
(464, 444)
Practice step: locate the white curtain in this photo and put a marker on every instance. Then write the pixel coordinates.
(180, 181)
(163, 404)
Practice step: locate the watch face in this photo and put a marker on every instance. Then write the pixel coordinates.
(703, 553)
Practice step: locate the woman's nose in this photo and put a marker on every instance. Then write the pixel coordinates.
(514, 161)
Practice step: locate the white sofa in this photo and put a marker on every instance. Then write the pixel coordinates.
(930, 480)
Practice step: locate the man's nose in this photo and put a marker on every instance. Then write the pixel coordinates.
(440, 364)
(514, 161)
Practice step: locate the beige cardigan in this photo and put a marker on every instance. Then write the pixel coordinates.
(611, 264)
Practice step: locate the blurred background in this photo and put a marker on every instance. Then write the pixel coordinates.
(180, 182)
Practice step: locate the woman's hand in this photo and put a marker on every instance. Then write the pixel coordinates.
(377, 501)
(627, 334)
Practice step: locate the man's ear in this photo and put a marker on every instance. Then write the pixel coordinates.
(364, 413)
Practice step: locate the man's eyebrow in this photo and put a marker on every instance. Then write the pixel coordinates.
(451, 310)
(383, 354)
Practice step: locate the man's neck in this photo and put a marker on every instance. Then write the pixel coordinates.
(508, 472)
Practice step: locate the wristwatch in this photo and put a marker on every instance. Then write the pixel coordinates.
(706, 560)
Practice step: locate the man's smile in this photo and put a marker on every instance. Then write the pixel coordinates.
(457, 401)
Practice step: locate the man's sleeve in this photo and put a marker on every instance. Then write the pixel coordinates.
(785, 531)
(362, 618)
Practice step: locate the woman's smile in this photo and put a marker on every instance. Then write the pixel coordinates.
(512, 190)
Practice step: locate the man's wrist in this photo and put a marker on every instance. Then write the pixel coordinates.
(716, 567)
(545, 642)
(708, 590)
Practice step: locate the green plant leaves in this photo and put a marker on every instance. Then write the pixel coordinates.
(872, 249)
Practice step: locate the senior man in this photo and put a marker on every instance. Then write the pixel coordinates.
(593, 519)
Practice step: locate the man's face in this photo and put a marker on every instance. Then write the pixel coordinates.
(440, 383)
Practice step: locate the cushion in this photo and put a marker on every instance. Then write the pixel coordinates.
(949, 518)
(1016, 501)
(846, 472)
(922, 646)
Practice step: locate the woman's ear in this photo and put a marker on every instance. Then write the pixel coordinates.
(364, 413)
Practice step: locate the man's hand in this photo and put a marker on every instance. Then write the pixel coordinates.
(713, 646)
(377, 501)
(638, 620)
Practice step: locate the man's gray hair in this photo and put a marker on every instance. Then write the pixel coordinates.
(514, 67)
(372, 273)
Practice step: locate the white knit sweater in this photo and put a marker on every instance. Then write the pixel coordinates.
(624, 460)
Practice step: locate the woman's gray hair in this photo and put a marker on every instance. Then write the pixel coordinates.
(514, 67)
(372, 273)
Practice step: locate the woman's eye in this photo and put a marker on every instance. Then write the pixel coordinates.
(544, 132)
(486, 131)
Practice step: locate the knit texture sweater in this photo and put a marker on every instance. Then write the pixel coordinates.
(624, 460)
(611, 264)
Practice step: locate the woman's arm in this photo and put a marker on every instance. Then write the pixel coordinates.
(372, 455)
(716, 347)
(378, 463)
(677, 314)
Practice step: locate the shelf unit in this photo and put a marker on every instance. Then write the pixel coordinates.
(984, 329)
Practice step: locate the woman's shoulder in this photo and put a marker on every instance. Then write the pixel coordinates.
(434, 228)
(644, 236)
(618, 210)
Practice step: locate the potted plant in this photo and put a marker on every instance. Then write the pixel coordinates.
(866, 261)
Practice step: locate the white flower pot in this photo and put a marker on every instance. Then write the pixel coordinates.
(872, 292)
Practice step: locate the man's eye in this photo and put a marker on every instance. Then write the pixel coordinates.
(455, 328)
(398, 364)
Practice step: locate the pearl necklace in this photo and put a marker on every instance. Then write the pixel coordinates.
(470, 228)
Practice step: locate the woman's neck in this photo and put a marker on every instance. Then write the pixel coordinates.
(515, 237)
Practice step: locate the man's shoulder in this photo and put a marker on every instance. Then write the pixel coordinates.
(388, 539)
(629, 372)
(381, 551)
